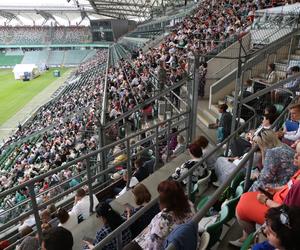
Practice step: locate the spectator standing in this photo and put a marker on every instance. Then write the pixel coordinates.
(202, 79)
(161, 75)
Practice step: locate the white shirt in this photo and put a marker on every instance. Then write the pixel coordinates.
(82, 207)
(292, 135)
(70, 223)
(134, 181)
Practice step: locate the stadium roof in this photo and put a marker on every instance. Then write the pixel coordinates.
(74, 12)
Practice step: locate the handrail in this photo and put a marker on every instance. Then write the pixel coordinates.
(270, 88)
(90, 179)
(137, 215)
(213, 199)
(104, 99)
(202, 212)
(148, 101)
(88, 155)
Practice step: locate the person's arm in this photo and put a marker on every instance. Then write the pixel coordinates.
(268, 172)
(292, 135)
(266, 201)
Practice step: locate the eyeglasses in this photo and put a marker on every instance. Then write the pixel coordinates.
(284, 218)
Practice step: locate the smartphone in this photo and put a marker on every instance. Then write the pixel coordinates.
(88, 239)
(266, 193)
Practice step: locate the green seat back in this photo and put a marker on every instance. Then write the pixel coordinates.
(248, 242)
(215, 230)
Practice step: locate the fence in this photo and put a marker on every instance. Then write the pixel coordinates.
(117, 233)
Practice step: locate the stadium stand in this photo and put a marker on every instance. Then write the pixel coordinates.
(44, 35)
(74, 56)
(66, 150)
(35, 57)
(10, 60)
(56, 58)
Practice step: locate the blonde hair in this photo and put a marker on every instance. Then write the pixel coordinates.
(267, 139)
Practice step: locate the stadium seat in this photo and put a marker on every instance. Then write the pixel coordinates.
(248, 242)
(215, 230)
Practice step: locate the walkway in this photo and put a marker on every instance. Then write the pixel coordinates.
(8, 128)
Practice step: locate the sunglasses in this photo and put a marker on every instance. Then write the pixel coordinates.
(284, 218)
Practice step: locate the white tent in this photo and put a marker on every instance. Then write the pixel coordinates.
(30, 69)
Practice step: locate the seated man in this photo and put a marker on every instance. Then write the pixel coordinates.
(290, 134)
(81, 206)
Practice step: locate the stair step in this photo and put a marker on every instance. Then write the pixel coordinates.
(215, 109)
(204, 120)
(297, 51)
(220, 102)
(281, 66)
(295, 57)
(211, 115)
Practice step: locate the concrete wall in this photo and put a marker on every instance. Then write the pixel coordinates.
(219, 67)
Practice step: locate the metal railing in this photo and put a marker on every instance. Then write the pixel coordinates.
(116, 234)
(214, 198)
(179, 121)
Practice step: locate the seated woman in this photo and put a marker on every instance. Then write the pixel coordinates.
(277, 159)
(141, 196)
(111, 220)
(202, 142)
(175, 209)
(282, 229)
(225, 165)
(248, 216)
(196, 154)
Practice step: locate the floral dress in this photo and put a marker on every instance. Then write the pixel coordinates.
(278, 168)
(153, 236)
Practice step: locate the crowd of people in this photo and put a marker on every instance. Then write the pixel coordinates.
(129, 85)
(71, 116)
(32, 35)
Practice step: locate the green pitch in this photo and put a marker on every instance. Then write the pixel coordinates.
(15, 94)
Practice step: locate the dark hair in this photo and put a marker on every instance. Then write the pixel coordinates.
(58, 238)
(249, 82)
(295, 69)
(271, 109)
(270, 117)
(173, 198)
(285, 222)
(112, 218)
(223, 106)
(62, 215)
(26, 230)
(202, 141)
(4, 244)
(138, 162)
(80, 192)
(141, 194)
(272, 66)
(195, 150)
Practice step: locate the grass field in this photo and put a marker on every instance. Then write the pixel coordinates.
(15, 94)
